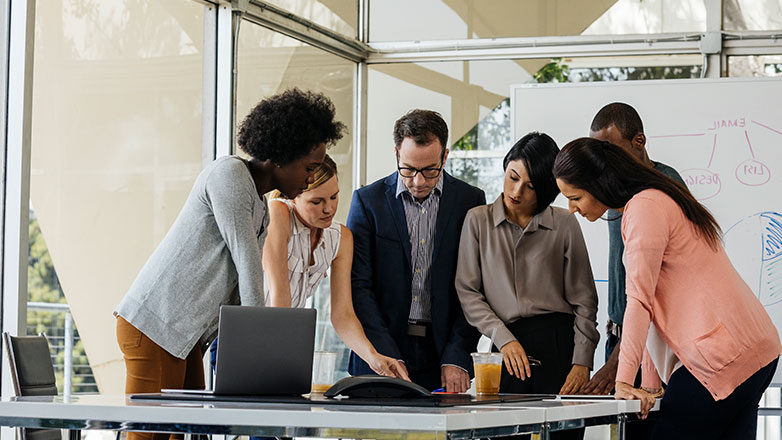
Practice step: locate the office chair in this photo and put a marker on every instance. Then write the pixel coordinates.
(33, 375)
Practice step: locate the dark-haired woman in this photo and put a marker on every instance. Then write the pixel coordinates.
(212, 253)
(524, 271)
(691, 321)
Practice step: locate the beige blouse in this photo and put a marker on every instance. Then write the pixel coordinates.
(505, 273)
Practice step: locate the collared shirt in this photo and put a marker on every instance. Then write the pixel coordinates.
(421, 220)
(617, 299)
(506, 273)
(304, 277)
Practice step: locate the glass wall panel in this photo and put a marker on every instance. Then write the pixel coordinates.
(755, 66)
(116, 146)
(650, 17)
(404, 20)
(752, 15)
(472, 97)
(270, 63)
(338, 15)
(466, 93)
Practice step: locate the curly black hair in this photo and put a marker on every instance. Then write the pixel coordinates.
(289, 125)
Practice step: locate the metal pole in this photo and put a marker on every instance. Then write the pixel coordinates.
(209, 101)
(545, 431)
(712, 58)
(18, 96)
(68, 367)
(360, 100)
(621, 426)
(224, 137)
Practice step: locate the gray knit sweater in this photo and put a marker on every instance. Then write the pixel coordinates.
(211, 256)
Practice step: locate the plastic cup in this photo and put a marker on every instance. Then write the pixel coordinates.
(323, 366)
(488, 370)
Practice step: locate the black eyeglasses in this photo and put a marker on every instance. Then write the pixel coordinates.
(428, 173)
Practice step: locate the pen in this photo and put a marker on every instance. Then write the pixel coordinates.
(442, 391)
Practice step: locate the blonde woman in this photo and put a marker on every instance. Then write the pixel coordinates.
(303, 243)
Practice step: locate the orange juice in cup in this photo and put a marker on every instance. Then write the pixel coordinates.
(488, 370)
(323, 365)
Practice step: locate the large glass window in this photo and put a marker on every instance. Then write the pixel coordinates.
(116, 146)
(752, 15)
(339, 16)
(270, 63)
(444, 20)
(473, 98)
(464, 92)
(755, 66)
(650, 17)
(410, 20)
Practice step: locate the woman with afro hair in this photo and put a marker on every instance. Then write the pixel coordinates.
(212, 254)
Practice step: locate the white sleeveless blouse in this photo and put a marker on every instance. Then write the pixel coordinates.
(303, 278)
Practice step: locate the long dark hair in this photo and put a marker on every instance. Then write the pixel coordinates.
(613, 176)
(537, 152)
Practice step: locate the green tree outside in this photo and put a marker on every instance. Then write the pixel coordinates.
(43, 286)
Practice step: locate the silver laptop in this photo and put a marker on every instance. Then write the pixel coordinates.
(263, 351)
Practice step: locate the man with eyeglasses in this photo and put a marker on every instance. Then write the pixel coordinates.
(406, 230)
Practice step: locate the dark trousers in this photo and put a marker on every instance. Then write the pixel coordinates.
(689, 411)
(548, 338)
(422, 361)
(636, 429)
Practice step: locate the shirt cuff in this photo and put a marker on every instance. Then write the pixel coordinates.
(584, 354)
(454, 365)
(502, 337)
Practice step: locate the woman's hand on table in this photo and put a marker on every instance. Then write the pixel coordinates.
(626, 391)
(386, 366)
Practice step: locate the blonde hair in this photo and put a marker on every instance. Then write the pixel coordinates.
(325, 171)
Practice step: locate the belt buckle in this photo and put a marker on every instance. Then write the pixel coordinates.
(615, 329)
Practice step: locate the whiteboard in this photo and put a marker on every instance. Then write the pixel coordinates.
(723, 136)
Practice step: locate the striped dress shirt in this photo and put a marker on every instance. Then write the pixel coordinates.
(421, 220)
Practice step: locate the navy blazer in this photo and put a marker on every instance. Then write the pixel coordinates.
(382, 276)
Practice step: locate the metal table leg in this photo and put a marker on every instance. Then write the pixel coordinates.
(621, 426)
(545, 430)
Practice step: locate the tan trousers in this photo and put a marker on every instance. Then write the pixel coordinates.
(150, 368)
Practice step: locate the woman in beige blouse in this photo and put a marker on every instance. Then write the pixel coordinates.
(524, 270)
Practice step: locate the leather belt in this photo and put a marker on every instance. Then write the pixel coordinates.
(419, 329)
